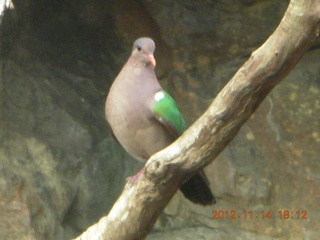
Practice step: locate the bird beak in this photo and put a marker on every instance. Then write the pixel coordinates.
(152, 59)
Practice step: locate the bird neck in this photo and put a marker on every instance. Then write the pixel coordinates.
(137, 80)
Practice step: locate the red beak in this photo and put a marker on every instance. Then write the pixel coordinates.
(152, 59)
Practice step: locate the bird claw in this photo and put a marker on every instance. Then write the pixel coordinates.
(133, 179)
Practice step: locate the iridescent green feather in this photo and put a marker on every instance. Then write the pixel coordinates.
(168, 113)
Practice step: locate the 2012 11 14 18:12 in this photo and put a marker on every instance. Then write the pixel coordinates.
(282, 214)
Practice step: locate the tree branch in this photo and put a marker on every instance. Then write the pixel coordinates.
(139, 206)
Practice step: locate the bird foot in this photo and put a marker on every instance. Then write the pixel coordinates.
(133, 179)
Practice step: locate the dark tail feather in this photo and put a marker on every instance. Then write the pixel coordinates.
(196, 189)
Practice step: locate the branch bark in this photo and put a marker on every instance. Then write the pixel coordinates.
(137, 209)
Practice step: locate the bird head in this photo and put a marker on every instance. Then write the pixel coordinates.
(142, 51)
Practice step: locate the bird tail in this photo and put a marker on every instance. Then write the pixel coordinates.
(197, 190)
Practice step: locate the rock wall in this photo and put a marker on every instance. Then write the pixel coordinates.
(60, 169)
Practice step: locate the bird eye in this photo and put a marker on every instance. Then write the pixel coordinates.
(139, 48)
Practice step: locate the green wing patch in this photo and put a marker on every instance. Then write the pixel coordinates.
(167, 112)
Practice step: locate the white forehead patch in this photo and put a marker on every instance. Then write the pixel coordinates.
(158, 96)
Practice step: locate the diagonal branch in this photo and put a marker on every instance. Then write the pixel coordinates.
(139, 206)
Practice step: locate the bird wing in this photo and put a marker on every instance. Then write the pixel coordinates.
(166, 111)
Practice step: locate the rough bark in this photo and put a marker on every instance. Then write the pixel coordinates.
(139, 206)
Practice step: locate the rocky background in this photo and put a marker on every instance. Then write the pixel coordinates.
(60, 169)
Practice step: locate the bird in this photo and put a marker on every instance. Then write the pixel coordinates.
(145, 119)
